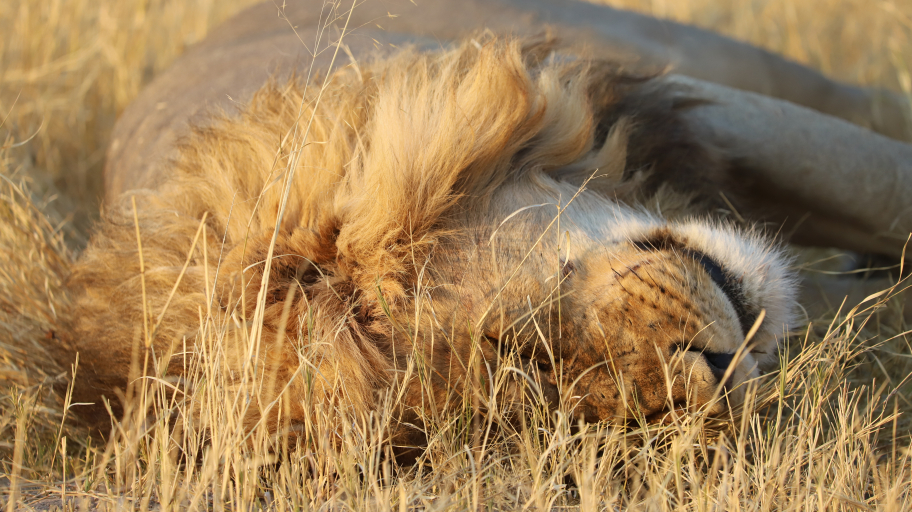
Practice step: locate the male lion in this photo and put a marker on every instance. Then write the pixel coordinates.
(428, 213)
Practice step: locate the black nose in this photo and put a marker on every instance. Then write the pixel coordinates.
(718, 363)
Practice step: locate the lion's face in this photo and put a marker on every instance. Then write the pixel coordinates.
(642, 317)
(653, 328)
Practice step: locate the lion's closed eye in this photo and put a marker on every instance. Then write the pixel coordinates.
(529, 356)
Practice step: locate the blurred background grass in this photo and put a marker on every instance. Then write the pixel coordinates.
(69, 67)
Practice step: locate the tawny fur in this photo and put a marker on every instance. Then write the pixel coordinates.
(421, 225)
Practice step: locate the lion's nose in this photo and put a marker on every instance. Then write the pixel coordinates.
(718, 363)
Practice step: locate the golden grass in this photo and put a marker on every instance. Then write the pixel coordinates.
(69, 67)
(831, 431)
(857, 41)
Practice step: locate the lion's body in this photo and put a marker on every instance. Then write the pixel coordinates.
(446, 209)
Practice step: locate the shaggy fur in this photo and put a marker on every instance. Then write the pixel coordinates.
(422, 230)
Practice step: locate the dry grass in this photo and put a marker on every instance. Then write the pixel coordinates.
(830, 431)
(70, 67)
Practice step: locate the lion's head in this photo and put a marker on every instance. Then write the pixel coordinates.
(490, 206)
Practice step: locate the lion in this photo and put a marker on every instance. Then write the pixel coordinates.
(427, 215)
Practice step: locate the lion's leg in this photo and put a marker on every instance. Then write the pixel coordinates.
(827, 181)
